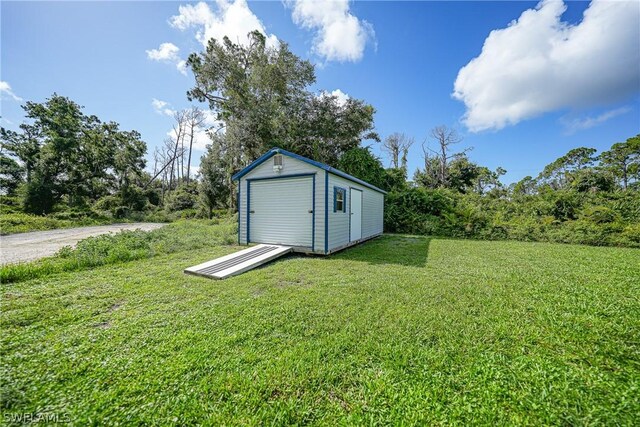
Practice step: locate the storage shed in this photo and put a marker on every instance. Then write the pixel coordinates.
(287, 199)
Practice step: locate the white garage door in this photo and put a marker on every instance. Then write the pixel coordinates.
(281, 211)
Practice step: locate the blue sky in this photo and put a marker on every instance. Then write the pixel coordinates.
(548, 79)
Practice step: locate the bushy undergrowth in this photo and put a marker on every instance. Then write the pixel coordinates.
(127, 246)
(611, 219)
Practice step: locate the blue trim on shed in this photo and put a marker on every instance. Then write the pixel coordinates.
(337, 190)
(253, 164)
(322, 166)
(350, 189)
(326, 212)
(239, 189)
(248, 211)
(313, 216)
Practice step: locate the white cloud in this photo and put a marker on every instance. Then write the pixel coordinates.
(201, 140)
(182, 67)
(210, 119)
(340, 36)
(540, 64)
(341, 97)
(162, 107)
(233, 19)
(168, 53)
(5, 88)
(577, 124)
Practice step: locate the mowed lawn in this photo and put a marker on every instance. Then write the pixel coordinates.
(400, 330)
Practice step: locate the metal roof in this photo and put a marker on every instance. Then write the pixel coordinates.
(322, 166)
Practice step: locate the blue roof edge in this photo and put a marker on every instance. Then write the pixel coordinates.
(322, 166)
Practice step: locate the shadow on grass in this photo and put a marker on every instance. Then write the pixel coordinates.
(390, 249)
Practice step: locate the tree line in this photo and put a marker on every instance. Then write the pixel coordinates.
(581, 197)
(64, 157)
(260, 97)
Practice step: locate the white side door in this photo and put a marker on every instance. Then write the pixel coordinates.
(355, 210)
(281, 211)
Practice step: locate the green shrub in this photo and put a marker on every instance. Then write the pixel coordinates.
(599, 214)
(552, 216)
(417, 211)
(106, 204)
(631, 235)
(183, 198)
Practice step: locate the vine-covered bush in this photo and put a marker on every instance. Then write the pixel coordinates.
(602, 219)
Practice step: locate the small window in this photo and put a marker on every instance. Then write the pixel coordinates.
(277, 160)
(339, 195)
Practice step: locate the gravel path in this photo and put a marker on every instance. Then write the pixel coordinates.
(38, 244)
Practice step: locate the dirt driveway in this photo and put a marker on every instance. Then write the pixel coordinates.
(38, 244)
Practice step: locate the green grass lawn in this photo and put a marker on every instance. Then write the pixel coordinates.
(400, 330)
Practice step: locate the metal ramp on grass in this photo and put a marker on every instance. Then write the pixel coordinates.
(239, 262)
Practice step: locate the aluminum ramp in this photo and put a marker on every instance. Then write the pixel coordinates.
(239, 262)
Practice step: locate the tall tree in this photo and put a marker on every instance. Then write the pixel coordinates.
(195, 120)
(362, 163)
(214, 190)
(525, 187)
(397, 147)
(326, 129)
(69, 157)
(261, 95)
(560, 173)
(623, 160)
(445, 137)
(10, 175)
(254, 88)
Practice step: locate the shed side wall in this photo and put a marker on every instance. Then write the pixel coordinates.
(372, 212)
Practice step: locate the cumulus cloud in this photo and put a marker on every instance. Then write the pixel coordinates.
(577, 124)
(162, 107)
(5, 89)
(340, 36)
(540, 64)
(341, 97)
(201, 140)
(168, 53)
(211, 119)
(233, 19)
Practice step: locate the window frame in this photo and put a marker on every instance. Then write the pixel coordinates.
(281, 158)
(343, 192)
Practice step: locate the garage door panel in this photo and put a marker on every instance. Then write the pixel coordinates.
(280, 211)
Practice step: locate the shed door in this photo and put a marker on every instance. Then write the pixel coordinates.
(355, 208)
(281, 211)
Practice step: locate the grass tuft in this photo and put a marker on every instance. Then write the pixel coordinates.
(126, 246)
(18, 222)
